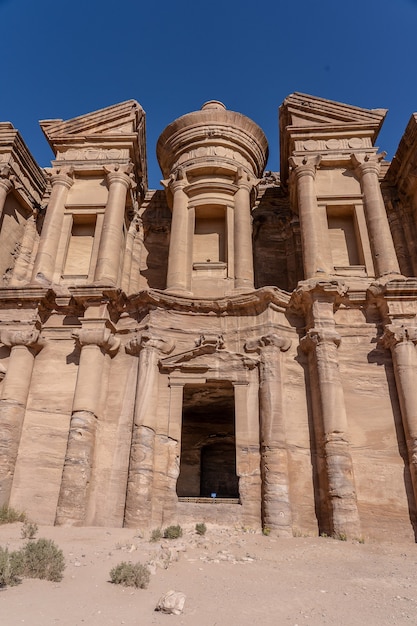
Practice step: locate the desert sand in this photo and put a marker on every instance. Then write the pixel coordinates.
(229, 577)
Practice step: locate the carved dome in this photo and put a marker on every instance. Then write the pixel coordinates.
(213, 137)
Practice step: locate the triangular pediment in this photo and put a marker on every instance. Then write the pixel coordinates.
(120, 119)
(302, 110)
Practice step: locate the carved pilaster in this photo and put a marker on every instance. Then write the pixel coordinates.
(96, 340)
(179, 257)
(6, 185)
(314, 243)
(367, 167)
(119, 180)
(276, 506)
(244, 276)
(61, 180)
(401, 339)
(138, 509)
(24, 344)
(322, 344)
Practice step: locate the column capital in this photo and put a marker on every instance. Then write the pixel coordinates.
(395, 334)
(121, 174)
(97, 333)
(28, 337)
(6, 179)
(150, 341)
(317, 336)
(61, 176)
(244, 180)
(367, 163)
(305, 165)
(272, 340)
(177, 180)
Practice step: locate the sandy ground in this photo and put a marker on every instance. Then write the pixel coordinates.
(230, 577)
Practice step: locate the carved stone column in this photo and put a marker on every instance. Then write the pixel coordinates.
(24, 344)
(95, 339)
(243, 254)
(22, 270)
(385, 258)
(179, 257)
(44, 267)
(323, 344)
(108, 257)
(402, 340)
(313, 245)
(6, 185)
(138, 509)
(276, 508)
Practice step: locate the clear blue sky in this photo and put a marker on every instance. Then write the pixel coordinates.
(62, 59)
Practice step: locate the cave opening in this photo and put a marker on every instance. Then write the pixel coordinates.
(208, 444)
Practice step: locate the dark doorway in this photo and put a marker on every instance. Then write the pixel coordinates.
(208, 447)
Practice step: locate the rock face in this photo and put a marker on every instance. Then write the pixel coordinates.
(238, 348)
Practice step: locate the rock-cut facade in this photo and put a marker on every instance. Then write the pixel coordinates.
(237, 347)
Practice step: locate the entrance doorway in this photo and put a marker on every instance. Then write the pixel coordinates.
(208, 446)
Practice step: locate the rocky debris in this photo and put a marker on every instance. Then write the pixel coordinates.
(171, 602)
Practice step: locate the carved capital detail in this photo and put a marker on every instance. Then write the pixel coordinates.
(367, 163)
(100, 336)
(149, 341)
(395, 334)
(271, 340)
(6, 180)
(121, 174)
(29, 337)
(317, 336)
(62, 176)
(305, 166)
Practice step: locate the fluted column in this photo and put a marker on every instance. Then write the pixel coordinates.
(323, 344)
(402, 340)
(110, 246)
(179, 268)
(24, 344)
(95, 339)
(243, 253)
(138, 509)
(314, 249)
(276, 508)
(6, 185)
(44, 267)
(385, 258)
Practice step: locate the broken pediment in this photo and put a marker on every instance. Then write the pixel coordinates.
(311, 125)
(209, 355)
(115, 134)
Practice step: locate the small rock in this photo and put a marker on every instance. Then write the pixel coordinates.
(171, 602)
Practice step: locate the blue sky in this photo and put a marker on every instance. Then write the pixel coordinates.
(60, 60)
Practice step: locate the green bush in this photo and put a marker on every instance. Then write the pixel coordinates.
(201, 529)
(156, 535)
(130, 575)
(11, 566)
(43, 559)
(173, 532)
(9, 515)
(29, 530)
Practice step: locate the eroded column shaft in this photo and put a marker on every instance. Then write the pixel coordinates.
(108, 258)
(14, 395)
(178, 258)
(44, 265)
(385, 258)
(342, 493)
(244, 277)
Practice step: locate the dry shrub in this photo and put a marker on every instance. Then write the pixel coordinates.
(173, 532)
(8, 515)
(11, 566)
(43, 559)
(130, 575)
